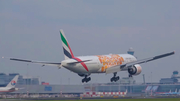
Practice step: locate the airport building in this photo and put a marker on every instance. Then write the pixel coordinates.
(22, 80)
(174, 79)
(32, 85)
(109, 87)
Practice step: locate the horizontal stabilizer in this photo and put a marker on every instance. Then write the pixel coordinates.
(78, 62)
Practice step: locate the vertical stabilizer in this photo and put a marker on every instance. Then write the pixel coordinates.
(66, 48)
(176, 90)
(13, 82)
(126, 91)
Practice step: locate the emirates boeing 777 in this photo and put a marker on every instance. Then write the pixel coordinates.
(86, 65)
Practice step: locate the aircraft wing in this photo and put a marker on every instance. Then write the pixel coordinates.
(118, 68)
(38, 62)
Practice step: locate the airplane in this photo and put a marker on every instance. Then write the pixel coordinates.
(84, 66)
(174, 93)
(164, 93)
(171, 93)
(11, 86)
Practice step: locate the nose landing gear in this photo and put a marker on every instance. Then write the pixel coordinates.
(86, 79)
(115, 78)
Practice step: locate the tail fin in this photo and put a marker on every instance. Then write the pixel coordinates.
(13, 82)
(126, 91)
(66, 48)
(176, 90)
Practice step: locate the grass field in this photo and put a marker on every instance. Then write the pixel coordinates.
(156, 99)
(164, 99)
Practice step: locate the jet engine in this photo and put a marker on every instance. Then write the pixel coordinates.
(135, 70)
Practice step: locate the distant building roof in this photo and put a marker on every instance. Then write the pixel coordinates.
(168, 80)
(2, 74)
(175, 72)
(130, 51)
(13, 74)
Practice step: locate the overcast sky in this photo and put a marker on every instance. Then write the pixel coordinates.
(29, 29)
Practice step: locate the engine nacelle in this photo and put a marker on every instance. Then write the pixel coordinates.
(135, 70)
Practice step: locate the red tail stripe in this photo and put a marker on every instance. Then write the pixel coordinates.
(70, 50)
(82, 63)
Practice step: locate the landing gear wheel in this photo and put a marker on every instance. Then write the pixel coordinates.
(83, 80)
(86, 79)
(130, 75)
(117, 78)
(114, 79)
(89, 79)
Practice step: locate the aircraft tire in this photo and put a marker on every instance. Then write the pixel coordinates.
(83, 80)
(113, 79)
(117, 78)
(89, 79)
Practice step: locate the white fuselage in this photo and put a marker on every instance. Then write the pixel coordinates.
(96, 64)
(7, 89)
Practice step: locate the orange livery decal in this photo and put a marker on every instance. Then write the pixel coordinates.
(108, 61)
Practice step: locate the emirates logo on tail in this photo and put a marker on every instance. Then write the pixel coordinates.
(13, 83)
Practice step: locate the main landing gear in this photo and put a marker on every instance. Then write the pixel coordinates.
(86, 79)
(115, 78)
